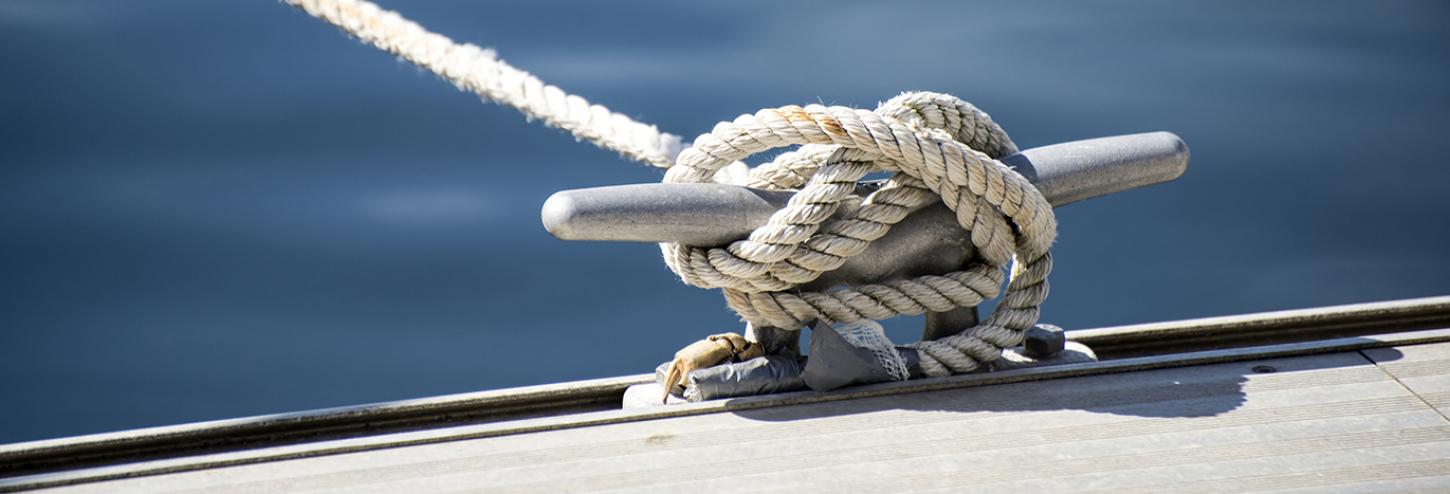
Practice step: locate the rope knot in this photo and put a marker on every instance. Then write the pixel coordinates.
(937, 147)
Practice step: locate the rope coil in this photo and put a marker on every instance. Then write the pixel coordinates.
(937, 146)
(940, 148)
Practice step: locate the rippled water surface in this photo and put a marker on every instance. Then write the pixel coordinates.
(211, 209)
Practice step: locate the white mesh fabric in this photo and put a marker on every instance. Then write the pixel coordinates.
(870, 335)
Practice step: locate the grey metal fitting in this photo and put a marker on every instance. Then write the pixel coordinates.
(927, 241)
(1043, 340)
(716, 214)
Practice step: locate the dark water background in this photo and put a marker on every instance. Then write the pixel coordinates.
(217, 209)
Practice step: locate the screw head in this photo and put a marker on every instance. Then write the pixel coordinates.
(1044, 340)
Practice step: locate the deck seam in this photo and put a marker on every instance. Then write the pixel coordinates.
(1406, 387)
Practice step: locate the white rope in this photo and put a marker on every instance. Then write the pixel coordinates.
(938, 146)
(477, 70)
(934, 142)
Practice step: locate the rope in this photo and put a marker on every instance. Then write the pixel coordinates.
(937, 146)
(479, 71)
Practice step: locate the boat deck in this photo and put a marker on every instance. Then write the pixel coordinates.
(1350, 414)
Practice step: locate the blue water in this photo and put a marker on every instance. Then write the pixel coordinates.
(214, 209)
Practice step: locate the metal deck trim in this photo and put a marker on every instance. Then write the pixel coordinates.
(1266, 327)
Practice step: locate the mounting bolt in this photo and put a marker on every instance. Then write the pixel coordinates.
(1044, 340)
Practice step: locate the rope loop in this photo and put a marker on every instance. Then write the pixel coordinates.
(938, 147)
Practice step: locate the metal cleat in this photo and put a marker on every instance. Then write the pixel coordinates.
(717, 214)
(928, 241)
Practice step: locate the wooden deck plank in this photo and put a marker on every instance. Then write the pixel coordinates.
(1424, 369)
(373, 426)
(1331, 421)
(148, 464)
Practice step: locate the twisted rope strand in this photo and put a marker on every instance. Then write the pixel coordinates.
(937, 147)
(479, 71)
